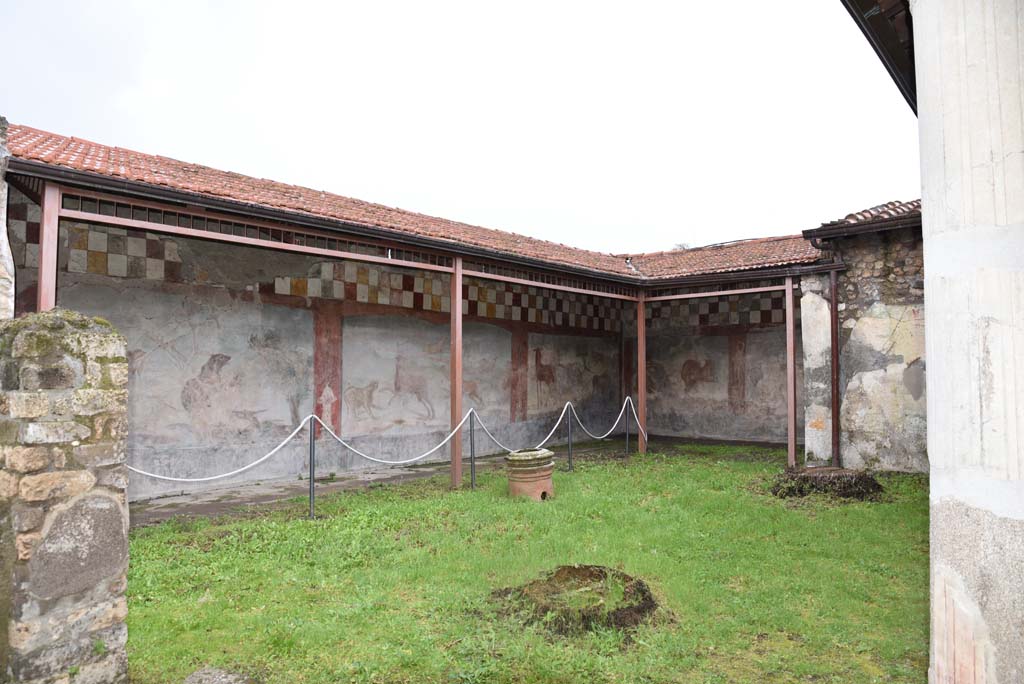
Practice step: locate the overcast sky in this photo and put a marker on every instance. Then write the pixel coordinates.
(621, 127)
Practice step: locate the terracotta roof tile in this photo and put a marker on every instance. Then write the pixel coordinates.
(35, 145)
(731, 256)
(889, 210)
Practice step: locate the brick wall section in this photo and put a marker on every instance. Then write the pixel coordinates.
(63, 547)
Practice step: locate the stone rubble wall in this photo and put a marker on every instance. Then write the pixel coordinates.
(881, 354)
(63, 506)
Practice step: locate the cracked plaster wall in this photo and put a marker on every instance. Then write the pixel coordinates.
(882, 355)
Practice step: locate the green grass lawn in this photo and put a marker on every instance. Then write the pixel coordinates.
(394, 584)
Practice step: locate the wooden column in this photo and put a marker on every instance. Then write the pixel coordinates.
(834, 320)
(641, 371)
(456, 370)
(46, 297)
(790, 375)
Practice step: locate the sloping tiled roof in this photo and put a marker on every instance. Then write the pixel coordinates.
(32, 144)
(889, 210)
(888, 216)
(731, 256)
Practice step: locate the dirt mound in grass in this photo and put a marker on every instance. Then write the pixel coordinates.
(573, 599)
(840, 482)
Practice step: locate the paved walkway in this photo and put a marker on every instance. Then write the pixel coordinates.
(237, 498)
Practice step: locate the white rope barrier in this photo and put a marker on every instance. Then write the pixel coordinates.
(402, 462)
(640, 427)
(610, 430)
(490, 434)
(567, 407)
(472, 412)
(233, 472)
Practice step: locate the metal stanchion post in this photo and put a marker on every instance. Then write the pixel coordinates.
(472, 451)
(570, 441)
(625, 414)
(312, 469)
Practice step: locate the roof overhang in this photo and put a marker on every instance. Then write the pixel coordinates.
(888, 26)
(103, 183)
(831, 231)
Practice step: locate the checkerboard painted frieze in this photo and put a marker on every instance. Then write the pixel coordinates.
(105, 250)
(121, 253)
(23, 217)
(757, 308)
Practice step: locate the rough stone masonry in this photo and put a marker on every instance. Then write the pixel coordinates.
(63, 508)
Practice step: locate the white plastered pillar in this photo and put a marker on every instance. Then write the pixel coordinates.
(971, 110)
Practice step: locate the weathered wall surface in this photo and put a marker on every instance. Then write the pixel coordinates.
(230, 347)
(396, 395)
(717, 368)
(970, 80)
(215, 380)
(816, 336)
(64, 522)
(882, 352)
(6, 258)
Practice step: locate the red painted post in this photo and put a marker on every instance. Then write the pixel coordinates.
(456, 370)
(641, 372)
(327, 322)
(790, 375)
(48, 233)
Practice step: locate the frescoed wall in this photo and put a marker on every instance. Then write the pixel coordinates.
(582, 369)
(213, 379)
(716, 368)
(230, 347)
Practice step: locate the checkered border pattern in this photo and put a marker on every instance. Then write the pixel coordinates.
(121, 253)
(757, 308)
(515, 302)
(116, 252)
(371, 284)
(23, 217)
(426, 291)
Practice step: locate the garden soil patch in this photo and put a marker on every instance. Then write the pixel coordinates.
(573, 599)
(840, 482)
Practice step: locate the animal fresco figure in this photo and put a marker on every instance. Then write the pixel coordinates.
(694, 371)
(286, 367)
(471, 388)
(203, 396)
(411, 384)
(360, 400)
(543, 373)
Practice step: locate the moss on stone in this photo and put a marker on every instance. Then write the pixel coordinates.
(9, 431)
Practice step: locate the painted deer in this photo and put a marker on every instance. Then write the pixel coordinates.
(414, 384)
(544, 373)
